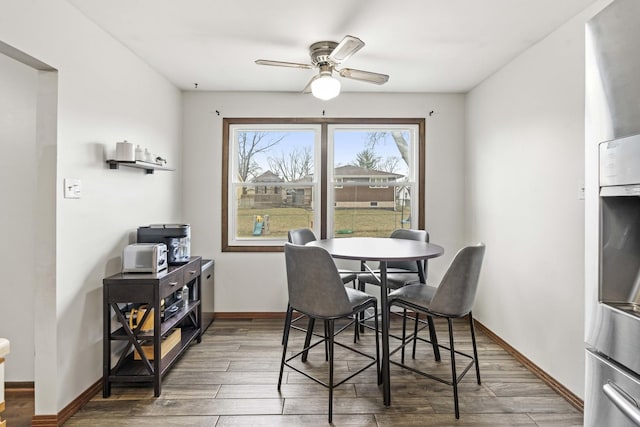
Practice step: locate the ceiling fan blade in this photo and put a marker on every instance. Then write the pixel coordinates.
(347, 47)
(366, 76)
(283, 64)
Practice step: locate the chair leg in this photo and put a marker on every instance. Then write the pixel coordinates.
(375, 324)
(434, 338)
(307, 338)
(415, 335)
(356, 322)
(361, 288)
(326, 343)
(285, 342)
(404, 332)
(454, 376)
(475, 348)
(356, 328)
(287, 319)
(330, 332)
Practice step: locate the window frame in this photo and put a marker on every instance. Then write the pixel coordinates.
(321, 175)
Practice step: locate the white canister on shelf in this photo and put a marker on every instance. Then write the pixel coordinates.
(139, 153)
(125, 151)
(148, 157)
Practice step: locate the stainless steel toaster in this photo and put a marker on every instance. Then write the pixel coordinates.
(144, 258)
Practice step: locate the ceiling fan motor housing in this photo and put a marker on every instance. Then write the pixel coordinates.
(320, 52)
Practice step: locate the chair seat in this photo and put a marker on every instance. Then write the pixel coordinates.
(396, 278)
(415, 293)
(358, 298)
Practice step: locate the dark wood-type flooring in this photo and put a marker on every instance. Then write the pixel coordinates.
(230, 380)
(19, 407)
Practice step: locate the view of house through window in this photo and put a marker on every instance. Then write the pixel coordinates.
(272, 182)
(340, 180)
(373, 177)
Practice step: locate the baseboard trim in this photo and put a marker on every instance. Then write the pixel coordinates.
(18, 385)
(44, 421)
(574, 400)
(257, 315)
(68, 411)
(79, 402)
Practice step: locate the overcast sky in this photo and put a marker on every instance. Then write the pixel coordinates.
(346, 146)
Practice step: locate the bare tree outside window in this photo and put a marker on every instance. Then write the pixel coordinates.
(293, 165)
(390, 164)
(249, 145)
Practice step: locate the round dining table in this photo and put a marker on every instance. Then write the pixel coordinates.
(382, 250)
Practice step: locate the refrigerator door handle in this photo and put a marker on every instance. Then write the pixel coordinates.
(623, 401)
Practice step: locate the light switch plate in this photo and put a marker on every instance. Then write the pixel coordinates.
(72, 188)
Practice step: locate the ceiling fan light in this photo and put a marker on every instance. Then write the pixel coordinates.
(325, 88)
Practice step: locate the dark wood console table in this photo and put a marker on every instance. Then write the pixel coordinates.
(126, 292)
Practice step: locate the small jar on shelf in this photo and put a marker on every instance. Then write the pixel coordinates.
(185, 294)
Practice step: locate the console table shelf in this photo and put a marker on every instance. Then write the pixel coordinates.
(136, 370)
(124, 292)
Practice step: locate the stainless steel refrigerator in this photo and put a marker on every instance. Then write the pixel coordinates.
(612, 328)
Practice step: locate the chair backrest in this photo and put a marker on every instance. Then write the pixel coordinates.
(409, 234)
(315, 287)
(301, 236)
(457, 290)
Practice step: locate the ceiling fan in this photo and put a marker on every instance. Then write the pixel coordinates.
(325, 56)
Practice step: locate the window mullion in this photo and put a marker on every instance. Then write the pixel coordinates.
(323, 178)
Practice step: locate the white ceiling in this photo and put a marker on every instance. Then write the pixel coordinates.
(424, 45)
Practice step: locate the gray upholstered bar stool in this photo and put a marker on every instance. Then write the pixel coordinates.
(302, 236)
(316, 290)
(401, 273)
(453, 298)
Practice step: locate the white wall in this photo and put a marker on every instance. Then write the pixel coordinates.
(105, 94)
(18, 86)
(255, 282)
(525, 170)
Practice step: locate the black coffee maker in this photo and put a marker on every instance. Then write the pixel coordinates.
(177, 237)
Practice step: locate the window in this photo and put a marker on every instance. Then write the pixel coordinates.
(375, 182)
(338, 177)
(378, 165)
